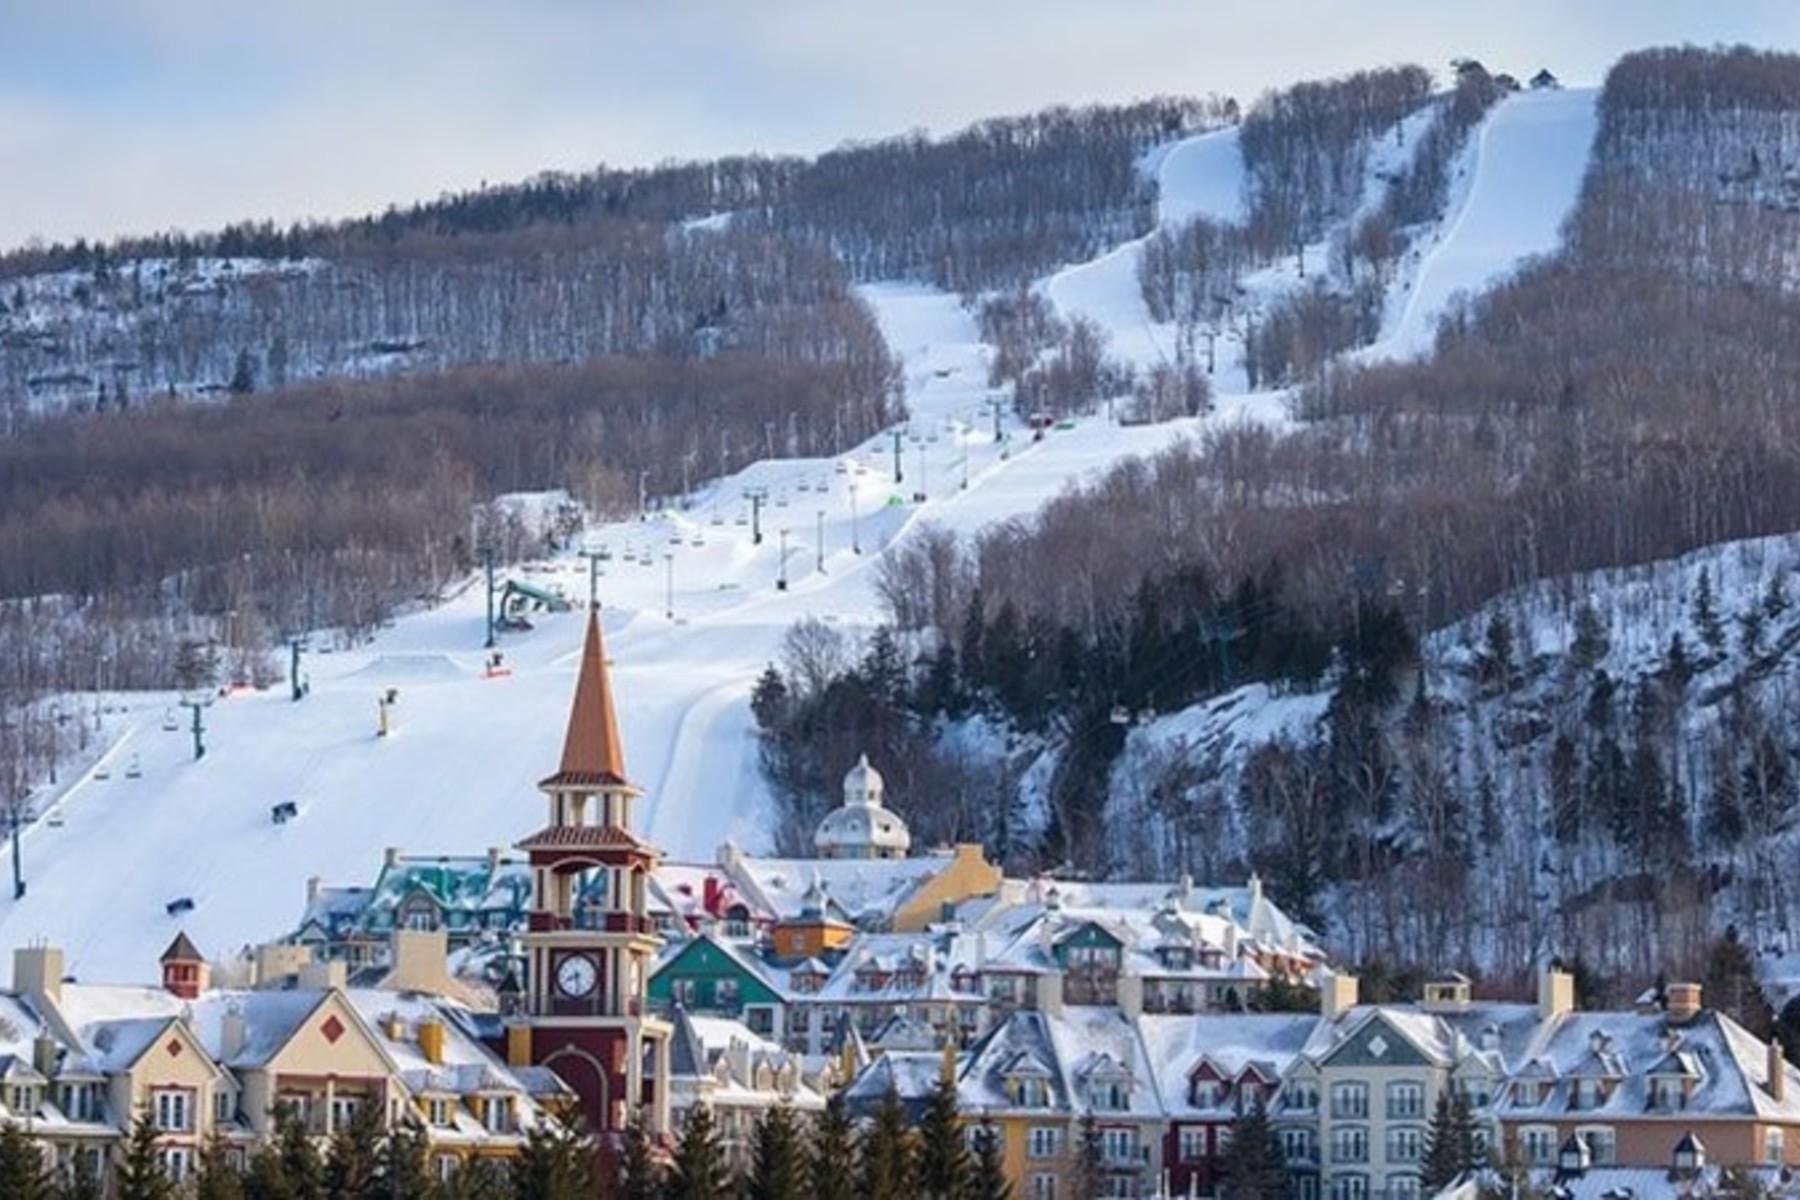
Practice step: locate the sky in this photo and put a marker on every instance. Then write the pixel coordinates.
(132, 116)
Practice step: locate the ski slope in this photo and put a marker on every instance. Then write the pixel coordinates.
(693, 612)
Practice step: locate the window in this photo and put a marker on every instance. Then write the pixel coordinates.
(1585, 1094)
(1110, 1094)
(1193, 1144)
(495, 1114)
(760, 1018)
(446, 1167)
(1301, 1095)
(175, 1161)
(1349, 1144)
(1349, 1187)
(171, 1109)
(1403, 1187)
(343, 1110)
(79, 1101)
(1774, 1144)
(1044, 1141)
(437, 1111)
(1300, 1145)
(20, 1099)
(1119, 1187)
(1306, 1187)
(1118, 1145)
(1350, 1100)
(1602, 1149)
(224, 1106)
(1405, 1144)
(1405, 1101)
(1537, 1145)
(1478, 1090)
(1031, 1093)
(1043, 1187)
(1667, 1093)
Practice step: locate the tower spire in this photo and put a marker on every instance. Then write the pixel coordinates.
(592, 751)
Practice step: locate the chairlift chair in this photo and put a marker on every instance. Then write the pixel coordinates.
(169, 723)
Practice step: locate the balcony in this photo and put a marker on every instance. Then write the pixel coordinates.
(591, 922)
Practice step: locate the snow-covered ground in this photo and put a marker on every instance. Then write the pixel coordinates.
(693, 613)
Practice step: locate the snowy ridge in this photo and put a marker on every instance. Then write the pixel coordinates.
(692, 614)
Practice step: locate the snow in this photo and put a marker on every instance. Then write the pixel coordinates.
(1515, 184)
(692, 615)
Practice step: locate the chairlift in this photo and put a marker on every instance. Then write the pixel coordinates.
(1121, 715)
(54, 818)
(841, 467)
(102, 773)
(718, 519)
(699, 539)
(781, 502)
(1146, 715)
(134, 771)
(741, 519)
(169, 723)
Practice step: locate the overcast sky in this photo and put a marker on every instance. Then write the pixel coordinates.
(124, 116)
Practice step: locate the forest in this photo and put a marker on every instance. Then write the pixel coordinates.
(1628, 401)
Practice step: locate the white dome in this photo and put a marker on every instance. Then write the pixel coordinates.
(862, 828)
(863, 784)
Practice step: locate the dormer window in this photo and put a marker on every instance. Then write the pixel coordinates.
(1028, 1091)
(1668, 1093)
(1205, 1093)
(1587, 1092)
(1109, 1092)
(496, 1114)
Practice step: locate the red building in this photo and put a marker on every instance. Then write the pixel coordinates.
(590, 940)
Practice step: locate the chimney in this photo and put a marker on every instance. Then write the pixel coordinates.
(1049, 994)
(431, 1039)
(1556, 993)
(321, 976)
(233, 1032)
(38, 972)
(393, 1027)
(1777, 1066)
(276, 961)
(518, 1045)
(390, 858)
(1131, 995)
(43, 1054)
(1338, 994)
(493, 860)
(1682, 1002)
(313, 883)
(419, 963)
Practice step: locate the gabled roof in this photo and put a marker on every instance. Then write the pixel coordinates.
(593, 755)
(181, 950)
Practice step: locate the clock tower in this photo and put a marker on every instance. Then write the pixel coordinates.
(590, 940)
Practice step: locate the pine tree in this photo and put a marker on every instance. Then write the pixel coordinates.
(1253, 1165)
(1706, 615)
(556, 1163)
(1449, 1142)
(639, 1176)
(353, 1160)
(884, 1157)
(81, 1181)
(778, 1170)
(1592, 640)
(300, 1161)
(987, 1178)
(267, 1177)
(216, 1177)
(833, 1151)
(478, 1179)
(699, 1171)
(139, 1174)
(1085, 1174)
(404, 1172)
(22, 1175)
(943, 1158)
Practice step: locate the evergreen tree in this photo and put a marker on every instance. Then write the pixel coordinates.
(353, 1159)
(300, 1161)
(1085, 1173)
(556, 1163)
(1592, 640)
(987, 1178)
(478, 1179)
(770, 700)
(22, 1175)
(267, 1177)
(698, 1172)
(1730, 985)
(243, 374)
(139, 1174)
(404, 1171)
(778, 1171)
(832, 1154)
(1706, 615)
(81, 1181)
(216, 1177)
(1449, 1142)
(884, 1157)
(883, 669)
(639, 1176)
(943, 1158)
(1253, 1165)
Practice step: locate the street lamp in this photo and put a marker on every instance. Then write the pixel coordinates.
(781, 565)
(855, 537)
(669, 584)
(821, 541)
(898, 477)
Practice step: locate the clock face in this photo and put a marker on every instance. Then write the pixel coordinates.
(575, 975)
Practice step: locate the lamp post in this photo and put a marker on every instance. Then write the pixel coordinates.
(198, 706)
(593, 557)
(781, 564)
(820, 566)
(757, 497)
(898, 477)
(669, 584)
(17, 806)
(295, 645)
(855, 537)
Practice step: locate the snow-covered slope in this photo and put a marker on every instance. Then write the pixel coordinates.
(692, 612)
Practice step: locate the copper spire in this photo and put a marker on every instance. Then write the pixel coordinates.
(591, 748)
